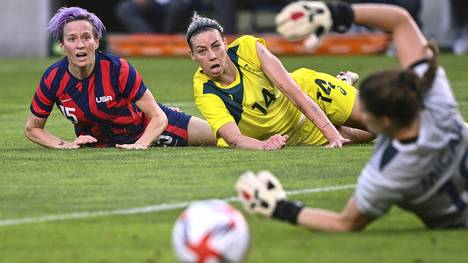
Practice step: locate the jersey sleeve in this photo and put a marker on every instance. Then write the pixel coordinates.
(212, 108)
(131, 85)
(385, 181)
(372, 198)
(44, 98)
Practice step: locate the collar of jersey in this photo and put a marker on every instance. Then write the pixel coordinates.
(67, 63)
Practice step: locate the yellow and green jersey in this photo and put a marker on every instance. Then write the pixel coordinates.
(258, 108)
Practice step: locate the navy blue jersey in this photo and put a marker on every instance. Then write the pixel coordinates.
(102, 105)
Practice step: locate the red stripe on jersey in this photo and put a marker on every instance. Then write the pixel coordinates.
(38, 109)
(96, 131)
(119, 131)
(177, 131)
(79, 86)
(63, 83)
(93, 103)
(107, 83)
(92, 98)
(50, 77)
(123, 76)
(42, 97)
(126, 119)
(136, 86)
(119, 120)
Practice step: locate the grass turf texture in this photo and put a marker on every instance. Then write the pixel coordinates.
(35, 182)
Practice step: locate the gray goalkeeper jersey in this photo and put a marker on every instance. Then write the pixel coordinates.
(428, 176)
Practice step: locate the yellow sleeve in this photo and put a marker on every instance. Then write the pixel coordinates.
(214, 111)
(211, 107)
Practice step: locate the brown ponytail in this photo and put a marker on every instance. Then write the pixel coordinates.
(398, 94)
(429, 76)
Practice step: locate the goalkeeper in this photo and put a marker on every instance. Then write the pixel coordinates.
(251, 102)
(420, 161)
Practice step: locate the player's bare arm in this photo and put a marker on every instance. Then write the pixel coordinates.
(276, 72)
(36, 132)
(235, 139)
(157, 122)
(409, 40)
(263, 194)
(349, 219)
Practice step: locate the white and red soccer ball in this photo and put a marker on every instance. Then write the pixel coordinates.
(304, 20)
(210, 231)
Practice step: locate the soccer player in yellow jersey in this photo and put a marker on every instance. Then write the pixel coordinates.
(252, 102)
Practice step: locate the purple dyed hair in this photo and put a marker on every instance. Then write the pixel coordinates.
(68, 14)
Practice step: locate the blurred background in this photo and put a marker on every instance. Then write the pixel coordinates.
(156, 27)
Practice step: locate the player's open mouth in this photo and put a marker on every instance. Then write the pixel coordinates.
(81, 55)
(216, 68)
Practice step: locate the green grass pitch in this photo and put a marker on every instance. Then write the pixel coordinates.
(37, 182)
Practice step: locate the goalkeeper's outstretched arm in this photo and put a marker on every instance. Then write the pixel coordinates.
(315, 18)
(263, 194)
(350, 219)
(410, 43)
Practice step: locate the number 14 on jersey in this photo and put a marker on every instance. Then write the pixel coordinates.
(268, 97)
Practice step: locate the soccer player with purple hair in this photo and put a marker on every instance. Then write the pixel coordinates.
(103, 96)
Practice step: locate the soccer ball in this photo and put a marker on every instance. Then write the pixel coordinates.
(300, 19)
(210, 231)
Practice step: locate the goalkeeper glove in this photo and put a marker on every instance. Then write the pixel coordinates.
(348, 76)
(302, 18)
(263, 194)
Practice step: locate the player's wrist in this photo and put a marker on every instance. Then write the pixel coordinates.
(146, 145)
(330, 131)
(62, 144)
(342, 15)
(287, 211)
(143, 144)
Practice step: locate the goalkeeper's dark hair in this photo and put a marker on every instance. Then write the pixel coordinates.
(201, 24)
(398, 94)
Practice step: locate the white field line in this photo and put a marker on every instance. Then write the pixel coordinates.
(180, 103)
(146, 209)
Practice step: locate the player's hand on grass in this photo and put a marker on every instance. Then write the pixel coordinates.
(134, 146)
(76, 144)
(337, 143)
(259, 193)
(275, 142)
(84, 139)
